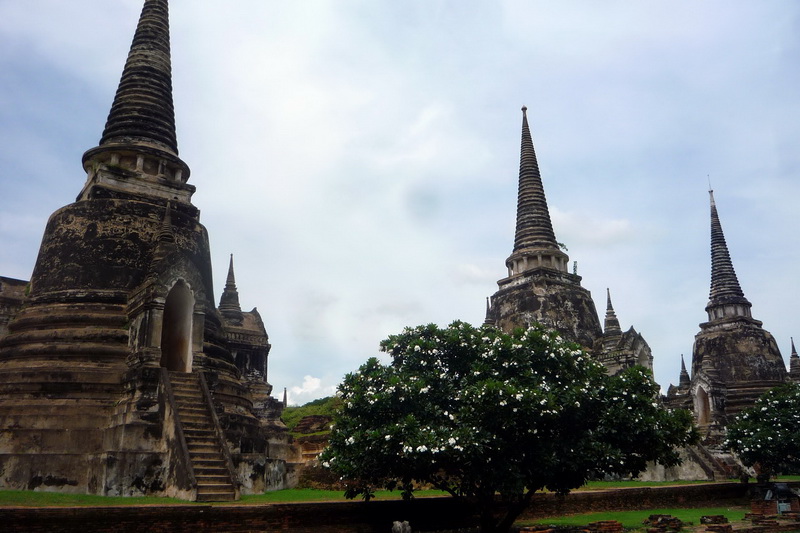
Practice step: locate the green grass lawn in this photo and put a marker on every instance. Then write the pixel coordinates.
(316, 495)
(634, 519)
(595, 485)
(45, 499)
(29, 498)
(26, 498)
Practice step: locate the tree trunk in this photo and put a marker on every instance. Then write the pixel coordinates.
(490, 523)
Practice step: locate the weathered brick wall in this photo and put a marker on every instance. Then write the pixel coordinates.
(629, 499)
(334, 517)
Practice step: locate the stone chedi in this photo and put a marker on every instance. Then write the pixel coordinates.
(118, 375)
(794, 364)
(618, 349)
(540, 288)
(734, 360)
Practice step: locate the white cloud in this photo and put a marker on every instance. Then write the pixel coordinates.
(592, 230)
(311, 389)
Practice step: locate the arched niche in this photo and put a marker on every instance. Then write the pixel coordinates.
(176, 329)
(644, 358)
(702, 407)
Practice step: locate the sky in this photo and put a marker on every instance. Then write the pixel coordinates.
(360, 159)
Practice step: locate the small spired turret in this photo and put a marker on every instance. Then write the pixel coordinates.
(678, 395)
(249, 345)
(734, 360)
(539, 286)
(229, 301)
(794, 365)
(612, 327)
(684, 380)
(618, 350)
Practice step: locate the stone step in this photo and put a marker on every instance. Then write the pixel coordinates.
(187, 386)
(187, 397)
(205, 440)
(189, 409)
(206, 456)
(193, 416)
(192, 451)
(198, 429)
(196, 425)
(212, 479)
(214, 488)
(216, 462)
(203, 448)
(198, 435)
(186, 393)
(227, 496)
(187, 402)
(207, 465)
(193, 412)
(201, 441)
(204, 437)
(205, 469)
(191, 382)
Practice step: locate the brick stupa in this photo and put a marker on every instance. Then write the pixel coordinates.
(734, 359)
(118, 375)
(540, 288)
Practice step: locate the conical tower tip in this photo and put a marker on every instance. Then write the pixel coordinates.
(143, 112)
(725, 297)
(229, 301)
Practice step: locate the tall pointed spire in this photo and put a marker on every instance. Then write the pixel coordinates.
(685, 380)
(535, 244)
(534, 229)
(611, 326)
(488, 318)
(229, 301)
(794, 364)
(138, 150)
(142, 111)
(539, 286)
(726, 297)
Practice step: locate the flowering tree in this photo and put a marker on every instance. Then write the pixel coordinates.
(493, 418)
(767, 435)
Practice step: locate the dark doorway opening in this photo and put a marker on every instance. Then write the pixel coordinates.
(176, 329)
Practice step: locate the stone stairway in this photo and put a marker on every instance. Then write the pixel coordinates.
(209, 464)
(710, 462)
